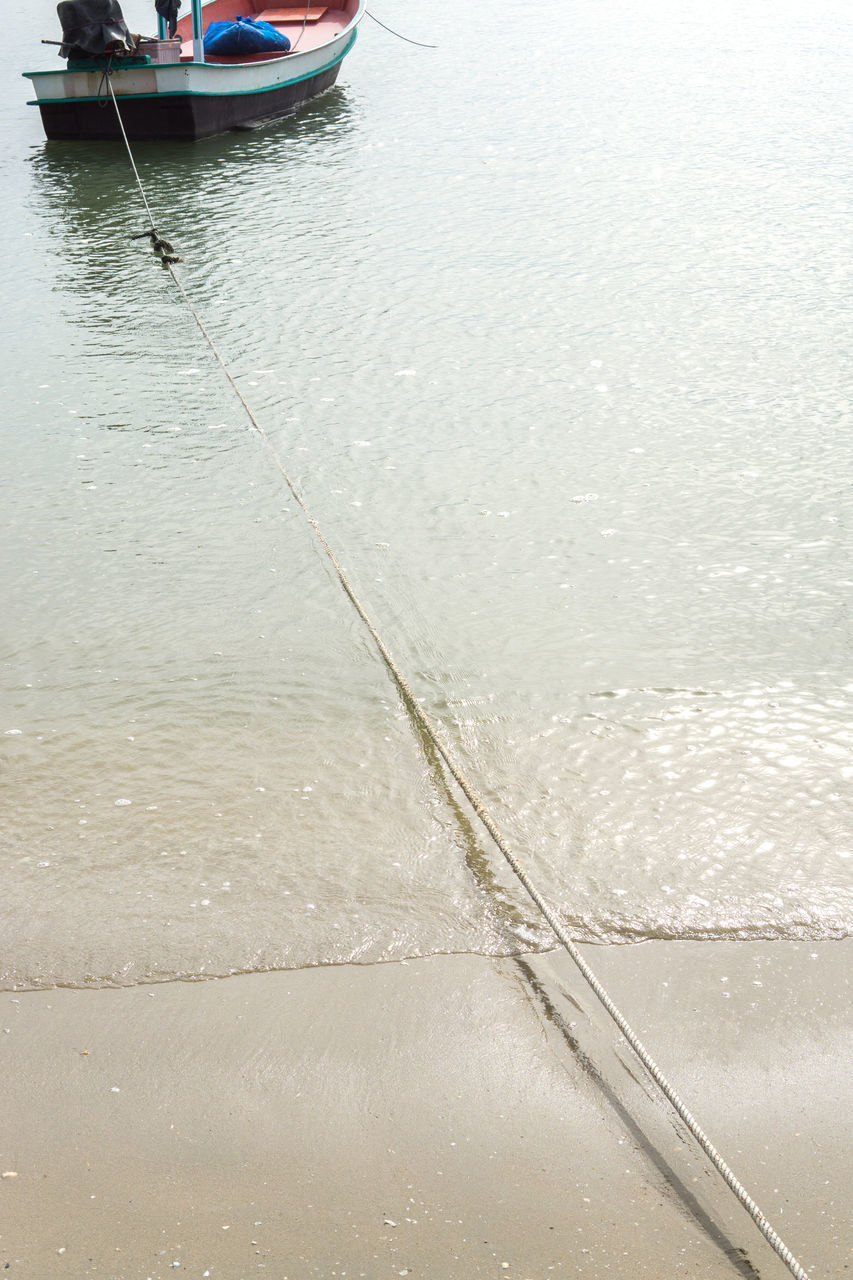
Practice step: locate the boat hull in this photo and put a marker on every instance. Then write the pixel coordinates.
(180, 116)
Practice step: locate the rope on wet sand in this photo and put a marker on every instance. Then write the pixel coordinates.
(436, 736)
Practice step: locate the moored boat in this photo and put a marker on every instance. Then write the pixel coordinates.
(173, 88)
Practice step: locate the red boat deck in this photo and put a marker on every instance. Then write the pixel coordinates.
(320, 25)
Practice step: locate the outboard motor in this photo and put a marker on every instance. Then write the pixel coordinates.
(92, 28)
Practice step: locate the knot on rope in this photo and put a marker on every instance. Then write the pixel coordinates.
(164, 250)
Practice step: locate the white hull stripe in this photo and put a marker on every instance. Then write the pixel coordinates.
(156, 81)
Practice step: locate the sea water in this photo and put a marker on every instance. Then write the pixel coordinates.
(550, 324)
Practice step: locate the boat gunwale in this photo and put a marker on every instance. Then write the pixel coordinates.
(199, 66)
(197, 93)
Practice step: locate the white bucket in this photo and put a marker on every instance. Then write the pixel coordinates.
(162, 50)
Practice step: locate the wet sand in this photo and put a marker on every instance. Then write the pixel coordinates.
(448, 1118)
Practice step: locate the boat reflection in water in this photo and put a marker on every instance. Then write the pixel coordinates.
(88, 203)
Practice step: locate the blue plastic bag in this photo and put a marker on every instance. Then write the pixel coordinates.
(244, 35)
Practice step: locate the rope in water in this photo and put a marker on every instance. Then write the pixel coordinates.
(437, 737)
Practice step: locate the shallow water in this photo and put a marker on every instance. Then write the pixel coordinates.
(558, 353)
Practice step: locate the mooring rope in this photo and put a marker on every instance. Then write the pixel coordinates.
(392, 32)
(436, 736)
(304, 25)
(130, 153)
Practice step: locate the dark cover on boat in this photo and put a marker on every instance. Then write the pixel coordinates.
(88, 26)
(244, 35)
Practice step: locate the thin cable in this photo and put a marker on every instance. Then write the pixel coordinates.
(419, 43)
(436, 735)
(130, 157)
(304, 24)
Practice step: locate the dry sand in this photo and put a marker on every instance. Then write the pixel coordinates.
(449, 1118)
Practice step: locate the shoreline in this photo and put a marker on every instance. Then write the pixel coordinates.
(436, 1118)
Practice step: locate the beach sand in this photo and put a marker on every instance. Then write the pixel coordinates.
(450, 1118)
